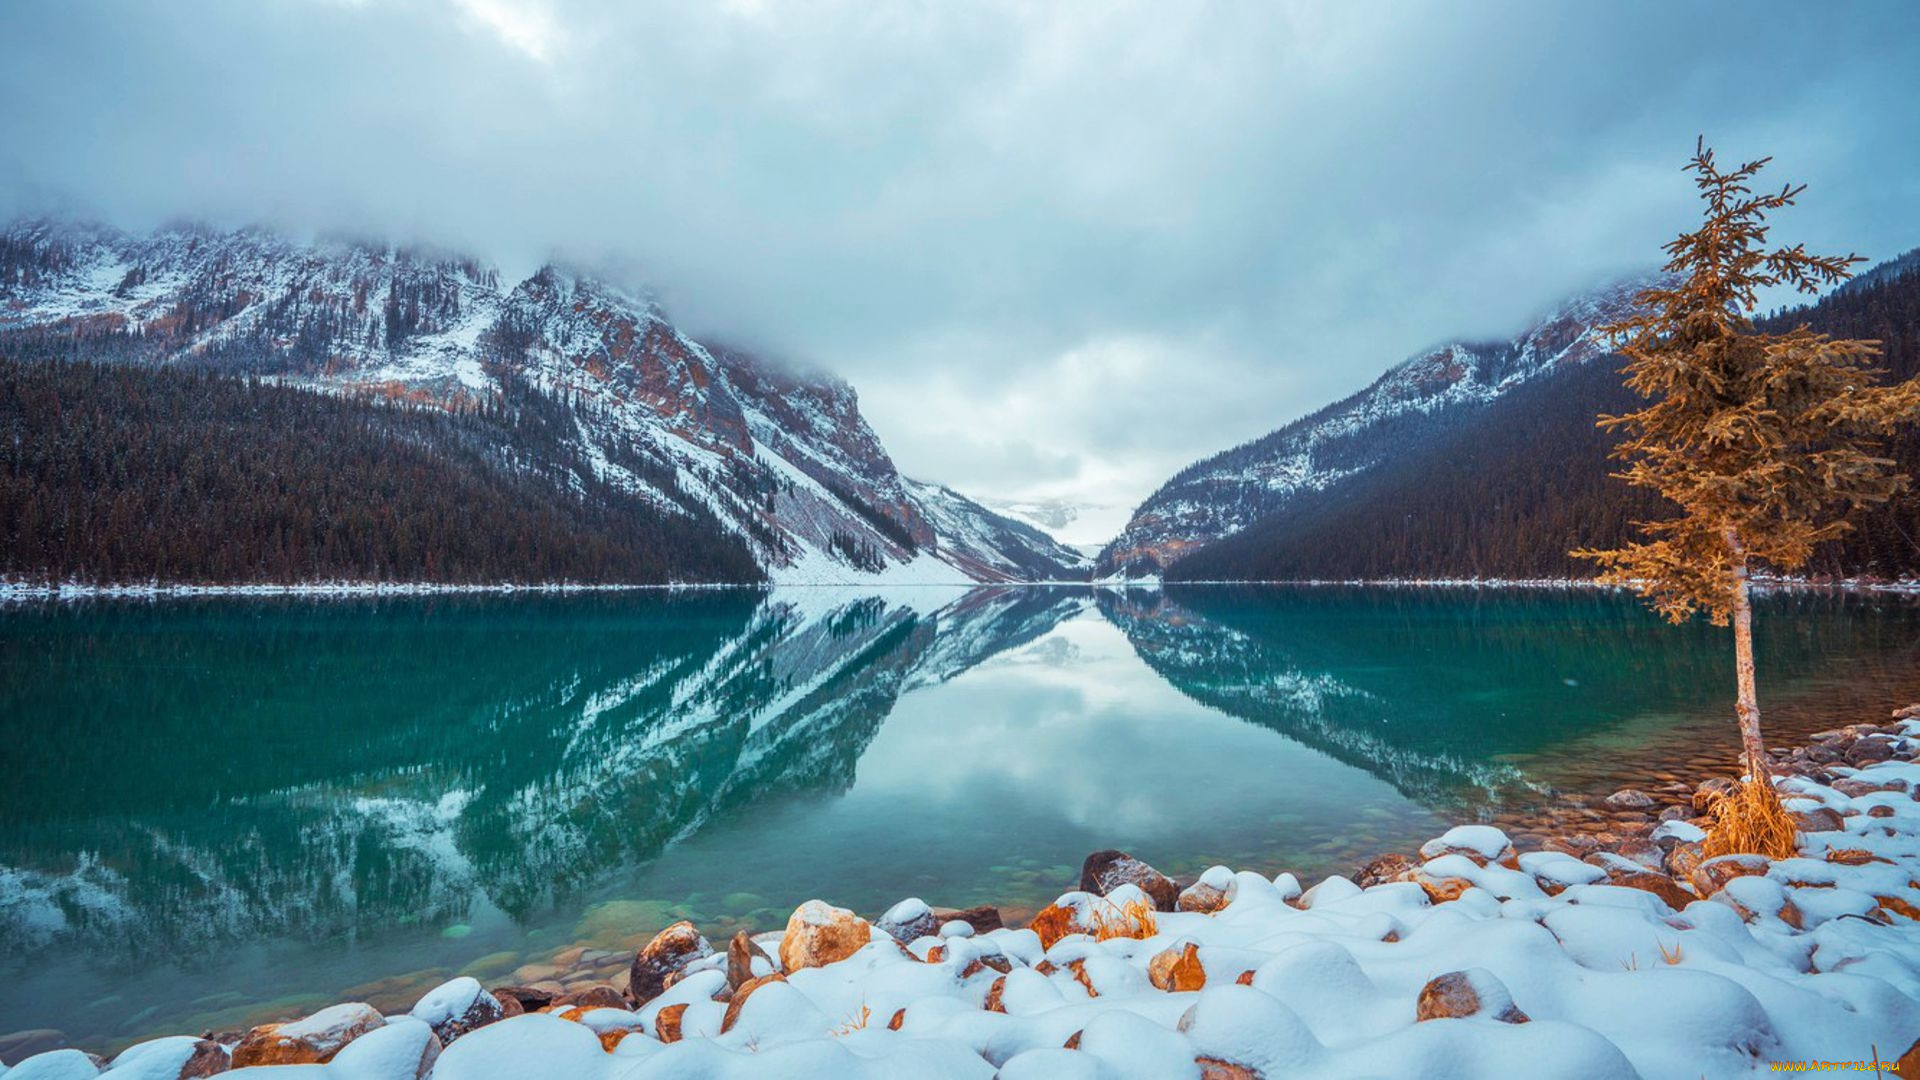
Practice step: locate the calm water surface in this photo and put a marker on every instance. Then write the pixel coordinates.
(214, 812)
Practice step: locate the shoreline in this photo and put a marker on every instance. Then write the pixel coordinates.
(1861, 779)
(15, 591)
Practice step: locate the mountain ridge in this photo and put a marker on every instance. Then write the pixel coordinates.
(780, 459)
(1402, 409)
(1509, 488)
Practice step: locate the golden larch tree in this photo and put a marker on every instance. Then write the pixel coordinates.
(1766, 443)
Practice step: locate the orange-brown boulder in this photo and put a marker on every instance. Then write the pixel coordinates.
(312, 1040)
(819, 934)
(666, 1024)
(741, 995)
(1177, 969)
(746, 960)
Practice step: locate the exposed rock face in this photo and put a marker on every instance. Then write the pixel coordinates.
(819, 933)
(315, 1039)
(1105, 871)
(668, 954)
(1475, 992)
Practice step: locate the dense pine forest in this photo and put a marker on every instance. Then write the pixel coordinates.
(117, 473)
(1511, 490)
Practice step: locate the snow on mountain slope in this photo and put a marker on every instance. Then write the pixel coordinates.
(1083, 526)
(992, 546)
(782, 458)
(1414, 399)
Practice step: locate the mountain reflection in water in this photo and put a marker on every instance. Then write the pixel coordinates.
(195, 785)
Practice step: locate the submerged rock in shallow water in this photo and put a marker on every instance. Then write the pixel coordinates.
(1631, 799)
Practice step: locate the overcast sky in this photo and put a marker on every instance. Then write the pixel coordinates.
(1060, 249)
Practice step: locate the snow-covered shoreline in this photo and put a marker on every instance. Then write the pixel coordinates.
(1619, 954)
(1760, 583)
(23, 590)
(14, 591)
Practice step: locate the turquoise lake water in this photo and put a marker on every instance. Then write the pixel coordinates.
(217, 811)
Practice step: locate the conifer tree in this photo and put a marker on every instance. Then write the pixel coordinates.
(1766, 443)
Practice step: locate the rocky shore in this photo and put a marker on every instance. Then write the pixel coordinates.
(1594, 939)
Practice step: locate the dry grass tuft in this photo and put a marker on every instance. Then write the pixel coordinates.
(1751, 821)
(855, 1023)
(1132, 919)
(1674, 955)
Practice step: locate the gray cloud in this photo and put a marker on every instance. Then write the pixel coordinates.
(1062, 249)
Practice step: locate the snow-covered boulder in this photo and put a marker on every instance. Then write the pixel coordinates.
(908, 920)
(1212, 892)
(1481, 843)
(314, 1039)
(819, 934)
(456, 1007)
(1474, 992)
(1105, 871)
(668, 954)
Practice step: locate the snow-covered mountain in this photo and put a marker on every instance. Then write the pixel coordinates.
(991, 545)
(1404, 408)
(780, 457)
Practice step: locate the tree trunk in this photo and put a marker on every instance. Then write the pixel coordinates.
(1748, 707)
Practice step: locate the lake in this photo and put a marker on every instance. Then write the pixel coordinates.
(221, 810)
